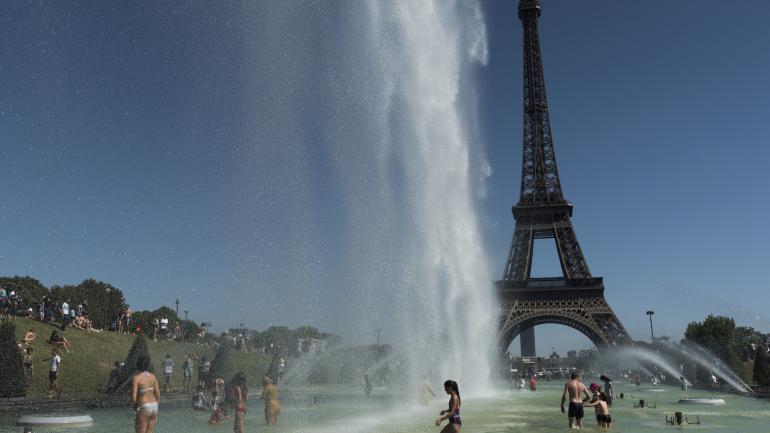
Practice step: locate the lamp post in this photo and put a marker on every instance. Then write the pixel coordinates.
(107, 309)
(652, 334)
(177, 307)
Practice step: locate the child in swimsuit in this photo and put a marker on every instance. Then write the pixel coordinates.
(199, 399)
(218, 412)
(453, 413)
(603, 412)
(595, 390)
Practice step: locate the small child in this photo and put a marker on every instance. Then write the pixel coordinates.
(199, 399)
(217, 410)
(603, 415)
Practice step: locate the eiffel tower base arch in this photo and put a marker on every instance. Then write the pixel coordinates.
(578, 304)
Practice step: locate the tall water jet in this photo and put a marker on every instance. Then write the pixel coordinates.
(423, 169)
(381, 95)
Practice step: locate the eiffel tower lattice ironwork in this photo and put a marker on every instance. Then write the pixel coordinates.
(577, 298)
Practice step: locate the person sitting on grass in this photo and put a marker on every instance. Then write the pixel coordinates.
(58, 340)
(29, 336)
(81, 322)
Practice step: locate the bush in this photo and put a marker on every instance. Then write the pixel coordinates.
(138, 349)
(762, 367)
(223, 366)
(12, 372)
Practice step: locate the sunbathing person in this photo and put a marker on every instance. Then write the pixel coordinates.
(58, 340)
(29, 336)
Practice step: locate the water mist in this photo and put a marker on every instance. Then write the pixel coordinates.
(412, 181)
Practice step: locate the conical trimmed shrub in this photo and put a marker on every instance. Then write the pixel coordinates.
(12, 372)
(138, 349)
(223, 366)
(762, 367)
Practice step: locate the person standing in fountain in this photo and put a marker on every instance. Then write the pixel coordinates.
(367, 385)
(608, 393)
(272, 404)
(453, 413)
(602, 410)
(241, 395)
(145, 393)
(425, 392)
(595, 390)
(575, 388)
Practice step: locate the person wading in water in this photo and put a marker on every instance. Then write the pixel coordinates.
(240, 394)
(145, 393)
(574, 388)
(453, 413)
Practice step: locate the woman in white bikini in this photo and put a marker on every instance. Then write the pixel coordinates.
(145, 393)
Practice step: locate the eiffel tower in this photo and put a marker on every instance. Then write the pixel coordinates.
(576, 299)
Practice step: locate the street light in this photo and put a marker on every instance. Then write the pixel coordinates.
(107, 309)
(652, 335)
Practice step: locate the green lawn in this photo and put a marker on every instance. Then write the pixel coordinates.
(85, 369)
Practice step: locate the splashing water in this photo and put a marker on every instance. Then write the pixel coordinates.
(635, 353)
(705, 359)
(417, 206)
(380, 95)
(689, 351)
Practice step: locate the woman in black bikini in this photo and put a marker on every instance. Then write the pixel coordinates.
(453, 413)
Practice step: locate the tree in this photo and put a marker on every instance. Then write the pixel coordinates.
(762, 367)
(280, 338)
(30, 289)
(308, 332)
(12, 372)
(223, 366)
(138, 349)
(104, 300)
(145, 318)
(717, 335)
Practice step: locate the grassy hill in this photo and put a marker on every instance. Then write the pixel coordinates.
(85, 369)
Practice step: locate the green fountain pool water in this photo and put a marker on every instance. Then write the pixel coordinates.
(346, 410)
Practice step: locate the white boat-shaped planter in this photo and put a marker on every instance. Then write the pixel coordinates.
(55, 420)
(712, 401)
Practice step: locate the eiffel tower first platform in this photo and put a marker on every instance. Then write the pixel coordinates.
(576, 299)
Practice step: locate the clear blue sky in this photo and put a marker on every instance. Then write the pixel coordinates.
(159, 147)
